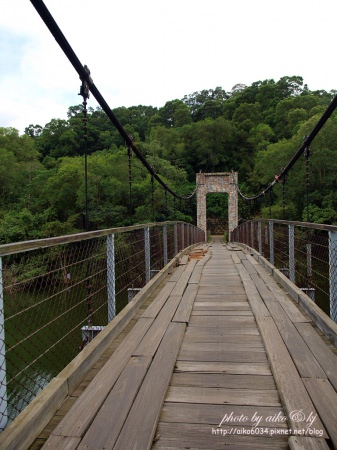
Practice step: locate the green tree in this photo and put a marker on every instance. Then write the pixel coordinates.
(261, 136)
(19, 164)
(175, 113)
(209, 146)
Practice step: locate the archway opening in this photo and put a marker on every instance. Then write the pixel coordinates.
(217, 213)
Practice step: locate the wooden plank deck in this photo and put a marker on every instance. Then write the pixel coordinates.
(221, 358)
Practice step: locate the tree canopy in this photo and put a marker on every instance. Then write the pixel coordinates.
(254, 130)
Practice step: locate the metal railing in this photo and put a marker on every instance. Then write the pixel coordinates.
(305, 252)
(56, 294)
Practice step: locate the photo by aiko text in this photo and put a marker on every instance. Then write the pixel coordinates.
(271, 425)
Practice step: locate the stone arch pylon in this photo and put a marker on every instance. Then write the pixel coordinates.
(217, 182)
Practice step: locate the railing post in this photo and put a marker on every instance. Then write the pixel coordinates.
(3, 381)
(309, 261)
(252, 234)
(266, 238)
(271, 243)
(147, 254)
(333, 274)
(111, 276)
(165, 244)
(259, 236)
(182, 236)
(175, 239)
(291, 234)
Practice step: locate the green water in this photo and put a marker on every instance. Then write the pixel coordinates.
(41, 338)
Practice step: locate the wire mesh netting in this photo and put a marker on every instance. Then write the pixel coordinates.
(55, 299)
(306, 254)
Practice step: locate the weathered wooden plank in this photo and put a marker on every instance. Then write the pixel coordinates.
(253, 355)
(222, 346)
(221, 305)
(48, 429)
(221, 321)
(222, 312)
(149, 344)
(254, 298)
(293, 394)
(307, 443)
(183, 260)
(78, 419)
(235, 258)
(204, 413)
(27, 428)
(304, 360)
(196, 274)
(237, 297)
(177, 274)
(223, 367)
(252, 260)
(265, 293)
(248, 330)
(204, 260)
(326, 358)
(183, 280)
(217, 266)
(62, 442)
(241, 381)
(215, 287)
(241, 255)
(248, 339)
(184, 309)
(324, 398)
(159, 301)
(208, 280)
(209, 273)
(140, 426)
(174, 436)
(219, 396)
(223, 269)
(105, 428)
(290, 308)
(224, 343)
(219, 290)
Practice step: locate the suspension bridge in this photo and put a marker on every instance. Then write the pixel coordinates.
(154, 336)
(218, 348)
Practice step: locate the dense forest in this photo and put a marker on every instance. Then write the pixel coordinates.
(254, 130)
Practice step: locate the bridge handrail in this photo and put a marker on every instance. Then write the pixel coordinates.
(57, 294)
(304, 252)
(315, 226)
(25, 246)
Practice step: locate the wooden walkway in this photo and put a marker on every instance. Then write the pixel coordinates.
(222, 358)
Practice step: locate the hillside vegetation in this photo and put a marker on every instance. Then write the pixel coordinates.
(254, 130)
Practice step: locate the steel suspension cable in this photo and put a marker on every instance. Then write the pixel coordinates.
(84, 75)
(307, 179)
(130, 182)
(306, 143)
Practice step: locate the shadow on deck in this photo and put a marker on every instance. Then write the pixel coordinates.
(218, 356)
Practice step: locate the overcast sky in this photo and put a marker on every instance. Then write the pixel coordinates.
(151, 51)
